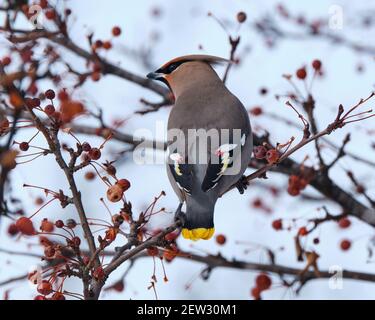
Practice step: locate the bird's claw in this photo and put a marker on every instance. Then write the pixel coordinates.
(242, 184)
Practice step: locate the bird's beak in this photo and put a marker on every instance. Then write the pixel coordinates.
(155, 75)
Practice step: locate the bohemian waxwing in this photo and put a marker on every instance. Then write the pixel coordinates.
(203, 104)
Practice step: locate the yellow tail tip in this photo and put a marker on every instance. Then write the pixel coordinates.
(197, 234)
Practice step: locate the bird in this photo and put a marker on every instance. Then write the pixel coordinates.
(203, 102)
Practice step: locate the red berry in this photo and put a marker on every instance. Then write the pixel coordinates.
(263, 281)
(221, 239)
(50, 94)
(95, 76)
(86, 147)
(76, 241)
(255, 293)
(39, 297)
(46, 225)
(25, 226)
(302, 231)
(51, 14)
(49, 110)
(344, 223)
(6, 61)
(124, 184)
(45, 287)
(272, 156)
(345, 245)
(256, 111)
(301, 73)
(24, 146)
(293, 191)
(317, 64)
(260, 152)
(71, 223)
(115, 193)
(58, 296)
(12, 230)
(43, 4)
(153, 251)
(98, 273)
(63, 95)
(277, 224)
(90, 175)
(59, 224)
(95, 154)
(107, 45)
(116, 31)
(119, 286)
(171, 236)
(241, 17)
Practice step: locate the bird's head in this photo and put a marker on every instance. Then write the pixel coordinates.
(181, 72)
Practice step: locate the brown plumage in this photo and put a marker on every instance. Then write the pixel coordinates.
(203, 102)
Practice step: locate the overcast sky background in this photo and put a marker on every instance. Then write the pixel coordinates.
(183, 26)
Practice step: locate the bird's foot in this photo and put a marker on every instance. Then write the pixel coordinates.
(242, 184)
(179, 215)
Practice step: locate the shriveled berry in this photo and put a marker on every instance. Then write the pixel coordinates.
(46, 225)
(86, 147)
(50, 94)
(95, 154)
(153, 251)
(58, 296)
(115, 193)
(59, 224)
(76, 241)
(260, 152)
(45, 287)
(124, 184)
(49, 110)
(24, 146)
(272, 156)
(49, 252)
(71, 223)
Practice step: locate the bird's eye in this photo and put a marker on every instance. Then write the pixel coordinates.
(172, 67)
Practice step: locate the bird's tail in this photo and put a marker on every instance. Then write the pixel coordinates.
(199, 219)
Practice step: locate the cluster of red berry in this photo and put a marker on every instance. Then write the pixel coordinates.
(271, 155)
(296, 184)
(262, 282)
